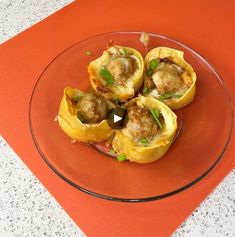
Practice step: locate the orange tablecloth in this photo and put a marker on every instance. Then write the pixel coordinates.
(206, 26)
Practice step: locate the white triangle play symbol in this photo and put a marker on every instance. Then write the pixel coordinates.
(116, 118)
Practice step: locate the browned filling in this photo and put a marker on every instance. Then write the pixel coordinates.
(167, 78)
(140, 123)
(122, 68)
(91, 108)
(122, 65)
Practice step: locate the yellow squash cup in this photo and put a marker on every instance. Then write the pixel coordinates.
(73, 127)
(188, 75)
(117, 74)
(132, 150)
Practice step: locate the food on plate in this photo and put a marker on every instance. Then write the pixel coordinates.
(132, 126)
(83, 116)
(117, 74)
(169, 78)
(148, 132)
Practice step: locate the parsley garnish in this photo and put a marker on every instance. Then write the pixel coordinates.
(168, 96)
(156, 115)
(81, 118)
(77, 98)
(153, 64)
(121, 157)
(146, 90)
(144, 141)
(125, 51)
(106, 75)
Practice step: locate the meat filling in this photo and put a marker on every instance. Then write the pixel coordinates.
(91, 108)
(121, 68)
(167, 78)
(122, 64)
(140, 123)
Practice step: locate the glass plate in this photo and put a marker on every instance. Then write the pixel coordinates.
(206, 126)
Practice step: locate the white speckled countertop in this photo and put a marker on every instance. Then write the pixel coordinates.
(27, 209)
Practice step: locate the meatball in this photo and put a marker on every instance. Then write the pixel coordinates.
(140, 123)
(121, 68)
(92, 108)
(167, 78)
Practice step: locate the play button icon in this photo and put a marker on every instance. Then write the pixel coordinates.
(116, 118)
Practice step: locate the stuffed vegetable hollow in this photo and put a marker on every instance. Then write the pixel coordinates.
(117, 74)
(169, 78)
(83, 116)
(148, 131)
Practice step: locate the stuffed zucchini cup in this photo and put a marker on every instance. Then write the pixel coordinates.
(169, 77)
(117, 74)
(82, 116)
(148, 132)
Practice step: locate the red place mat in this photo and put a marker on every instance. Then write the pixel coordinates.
(206, 26)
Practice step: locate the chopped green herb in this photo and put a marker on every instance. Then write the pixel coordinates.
(88, 52)
(144, 141)
(121, 157)
(112, 152)
(124, 51)
(77, 98)
(81, 118)
(153, 64)
(168, 96)
(146, 90)
(149, 72)
(106, 75)
(156, 115)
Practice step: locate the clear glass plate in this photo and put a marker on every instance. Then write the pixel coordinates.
(206, 126)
